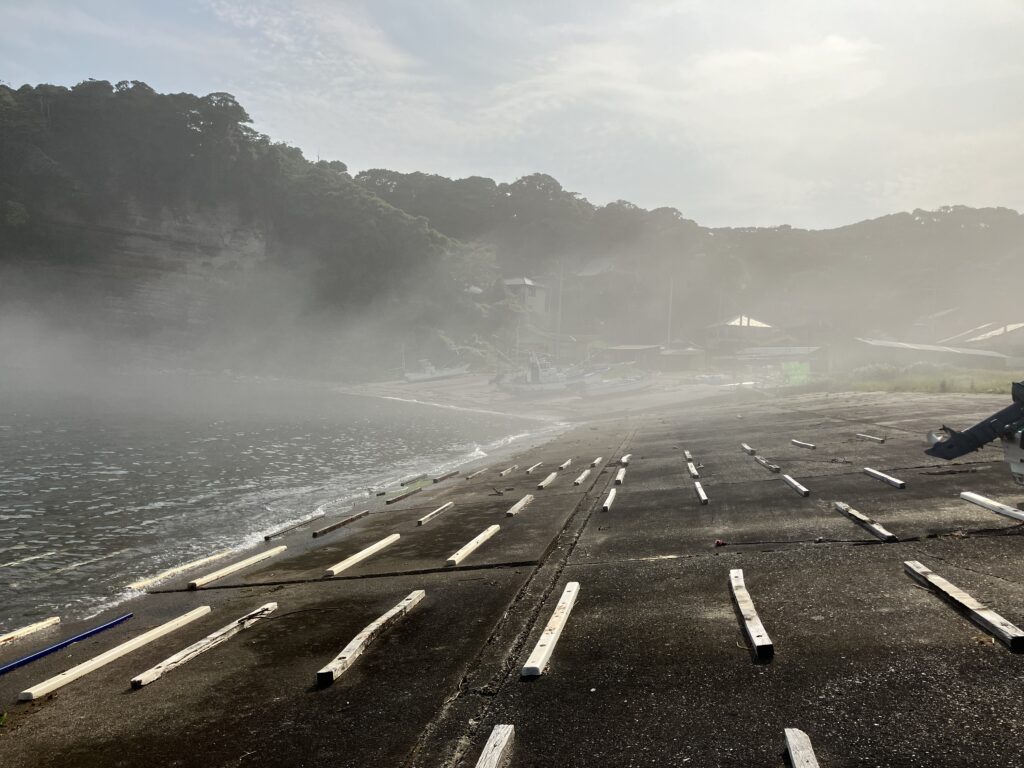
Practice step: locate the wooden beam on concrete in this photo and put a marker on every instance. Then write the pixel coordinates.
(467, 550)
(597, 461)
(872, 438)
(978, 612)
(802, 444)
(59, 681)
(292, 527)
(565, 464)
(692, 470)
(547, 481)
(210, 641)
(143, 583)
(413, 479)
(747, 449)
(687, 455)
(340, 523)
(609, 500)
(792, 483)
(538, 660)
(519, 506)
(865, 522)
(359, 643)
(477, 473)
(361, 555)
(620, 476)
(762, 644)
(582, 477)
(624, 461)
(700, 492)
(446, 475)
(894, 482)
(202, 581)
(63, 644)
(767, 464)
(498, 747)
(529, 470)
(31, 629)
(799, 749)
(431, 515)
(993, 506)
(401, 496)
(508, 470)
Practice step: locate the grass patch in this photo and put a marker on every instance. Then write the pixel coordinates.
(913, 379)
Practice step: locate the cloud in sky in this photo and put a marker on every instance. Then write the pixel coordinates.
(801, 112)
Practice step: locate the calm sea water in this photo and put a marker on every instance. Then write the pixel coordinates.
(95, 494)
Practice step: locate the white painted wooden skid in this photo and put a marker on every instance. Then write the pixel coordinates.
(508, 471)
(872, 438)
(467, 550)
(143, 583)
(687, 455)
(59, 681)
(547, 480)
(446, 475)
(340, 524)
(358, 557)
(431, 515)
(763, 647)
(235, 567)
(747, 449)
(624, 461)
(975, 610)
(413, 479)
(792, 483)
(565, 464)
(609, 500)
(519, 506)
(529, 470)
(292, 527)
(799, 749)
(802, 444)
(893, 481)
(620, 476)
(582, 476)
(597, 461)
(865, 522)
(700, 492)
(210, 641)
(538, 661)
(38, 626)
(477, 473)
(993, 506)
(692, 470)
(497, 748)
(767, 464)
(358, 644)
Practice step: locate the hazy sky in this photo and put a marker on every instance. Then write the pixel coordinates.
(743, 112)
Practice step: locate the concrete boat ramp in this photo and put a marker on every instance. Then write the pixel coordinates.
(650, 654)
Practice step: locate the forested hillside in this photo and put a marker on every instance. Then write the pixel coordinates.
(166, 223)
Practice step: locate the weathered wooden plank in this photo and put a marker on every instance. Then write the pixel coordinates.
(792, 483)
(359, 643)
(597, 461)
(292, 527)
(477, 473)
(547, 480)
(413, 479)
(620, 476)
(508, 471)
(149, 581)
(976, 611)
(361, 555)
(38, 626)
(467, 550)
(700, 492)
(767, 464)
(340, 523)
(519, 506)
(799, 749)
(210, 641)
(993, 506)
(802, 444)
(70, 675)
(529, 470)
(498, 747)
(235, 567)
(565, 464)
(624, 461)
(582, 477)
(894, 482)
(747, 449)
(401, 496)
(609, 500)
(762, 644)
(865, 522)
(541, 655)
(872, 438)
(431, 515)
(687, 455)
(692, 470)
(446, 475)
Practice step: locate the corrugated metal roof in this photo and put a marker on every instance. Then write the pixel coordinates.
(931, 348)
(1000, 331)
(776, 351)
(745, 321)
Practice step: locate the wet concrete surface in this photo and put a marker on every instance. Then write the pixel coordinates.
(653, 667)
